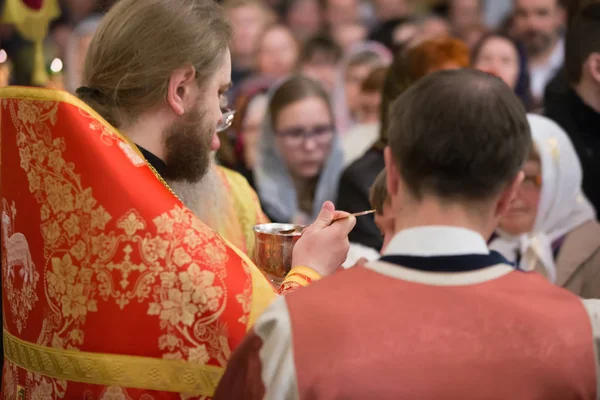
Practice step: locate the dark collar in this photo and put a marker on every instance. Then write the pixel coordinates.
(584, 112)
(158, 164)
(459, 263)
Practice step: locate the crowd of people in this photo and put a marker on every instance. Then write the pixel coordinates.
(473, 141)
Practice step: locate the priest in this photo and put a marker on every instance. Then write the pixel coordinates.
(112, 288)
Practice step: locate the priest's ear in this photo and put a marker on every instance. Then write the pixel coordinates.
(182, 89)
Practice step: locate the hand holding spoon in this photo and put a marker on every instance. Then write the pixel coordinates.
(301, 228)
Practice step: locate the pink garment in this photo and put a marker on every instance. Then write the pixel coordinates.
(507, 348)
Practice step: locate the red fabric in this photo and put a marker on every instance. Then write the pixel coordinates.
(115, 263)
(243, 373)
(362, 335)
(33, 4)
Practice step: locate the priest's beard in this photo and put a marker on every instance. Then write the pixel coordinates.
(187, 144)
(206, 198)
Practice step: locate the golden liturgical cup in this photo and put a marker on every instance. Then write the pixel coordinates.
(273, 250)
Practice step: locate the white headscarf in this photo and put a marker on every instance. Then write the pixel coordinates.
(562, 206)
(274, 182)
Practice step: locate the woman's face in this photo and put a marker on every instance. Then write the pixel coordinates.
(249, 22)
(369, 108)
(499, 56)
(278, 53)
(303, 135)
(355, 75)
(347, 35)
(523, 209)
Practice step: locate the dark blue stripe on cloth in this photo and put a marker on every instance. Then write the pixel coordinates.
(458, 263)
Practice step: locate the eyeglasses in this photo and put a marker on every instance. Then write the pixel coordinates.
(297, 135)
(226, 121)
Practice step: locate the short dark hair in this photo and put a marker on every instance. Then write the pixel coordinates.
(322, 46)
(583, 39)
(459, 135)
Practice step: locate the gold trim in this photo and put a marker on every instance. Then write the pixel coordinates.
(37, 94)
(308, 272)
(296, 279)
(113, 370)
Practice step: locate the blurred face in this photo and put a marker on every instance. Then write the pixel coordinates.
(304, 18)
(347, 35)
(355, 75)
(386, 224)
(390, 9)
(405, 33)
(536, 23)
(248, 22)
(304, 133)
(433, 28)
(191, 138)
(278, 53)
(464, 13)
(322, 71)
(499, 56)
(369, 108)
(341, 11)
(523, 209)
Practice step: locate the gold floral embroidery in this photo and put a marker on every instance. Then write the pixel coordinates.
(114, 393)
(90, 256)
(131, 154)
(43, 391)
(9, 380)
(21, 290)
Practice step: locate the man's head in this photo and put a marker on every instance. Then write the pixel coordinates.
(304, 17)
(249, 18)
(427, 57)
(465, 13)
(583, 48)
(457, 139)
(157, 70)
(319, 58)
(278, 52)
(537, 24)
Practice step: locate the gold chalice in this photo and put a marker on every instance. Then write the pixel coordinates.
(273, 249)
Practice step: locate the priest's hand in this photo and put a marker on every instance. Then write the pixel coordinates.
(324, 245)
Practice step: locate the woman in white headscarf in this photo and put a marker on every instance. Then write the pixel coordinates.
(299, 158)
(551, 227)
(77, 48)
